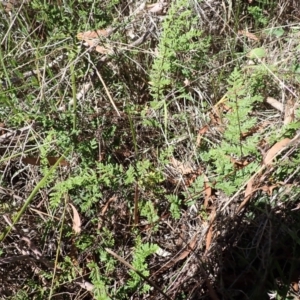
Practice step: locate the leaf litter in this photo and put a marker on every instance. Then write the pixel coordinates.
(209, 237)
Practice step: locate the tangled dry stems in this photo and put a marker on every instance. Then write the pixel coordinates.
(225, 254)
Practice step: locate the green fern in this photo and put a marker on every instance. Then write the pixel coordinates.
(141, 252)
(99, 281)
(175, 206)
(238, 122)
(181, 45)
(86, 186)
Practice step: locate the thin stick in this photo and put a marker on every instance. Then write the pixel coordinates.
(107, 91)
(136, 204)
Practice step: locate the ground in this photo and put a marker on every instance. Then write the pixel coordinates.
(149, 150)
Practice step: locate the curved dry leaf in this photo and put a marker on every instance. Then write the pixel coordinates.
(2, 128)
(269, 189)
(86, 285)
(208, 240)
(91, 38)
(274, 150)
(275, 103)
(94, 34)
(76, 220)
(209, 235)
(190, 247)
(248, 192)
(249, 35)
(201, 133)
(207, 191)
(249, 188)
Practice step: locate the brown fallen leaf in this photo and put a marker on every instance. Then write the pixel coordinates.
(269, 189)
(249, 35)
(76, 220)
(209, 235)
(189, 248)
(215, 117)
(207, 191)
(201, 133)
(250, 132)
(275, 149)
(91, 39)
(94, 34)
(2, 127)
(245, 201)
(249, 188)
(250, 191)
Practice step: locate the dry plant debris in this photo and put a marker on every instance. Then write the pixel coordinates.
(149, 150)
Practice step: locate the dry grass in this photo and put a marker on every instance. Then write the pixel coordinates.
(79, 125)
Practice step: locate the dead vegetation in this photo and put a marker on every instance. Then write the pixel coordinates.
(149, 150)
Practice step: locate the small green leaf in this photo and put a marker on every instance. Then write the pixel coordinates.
(277, 32)
(257, 53)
